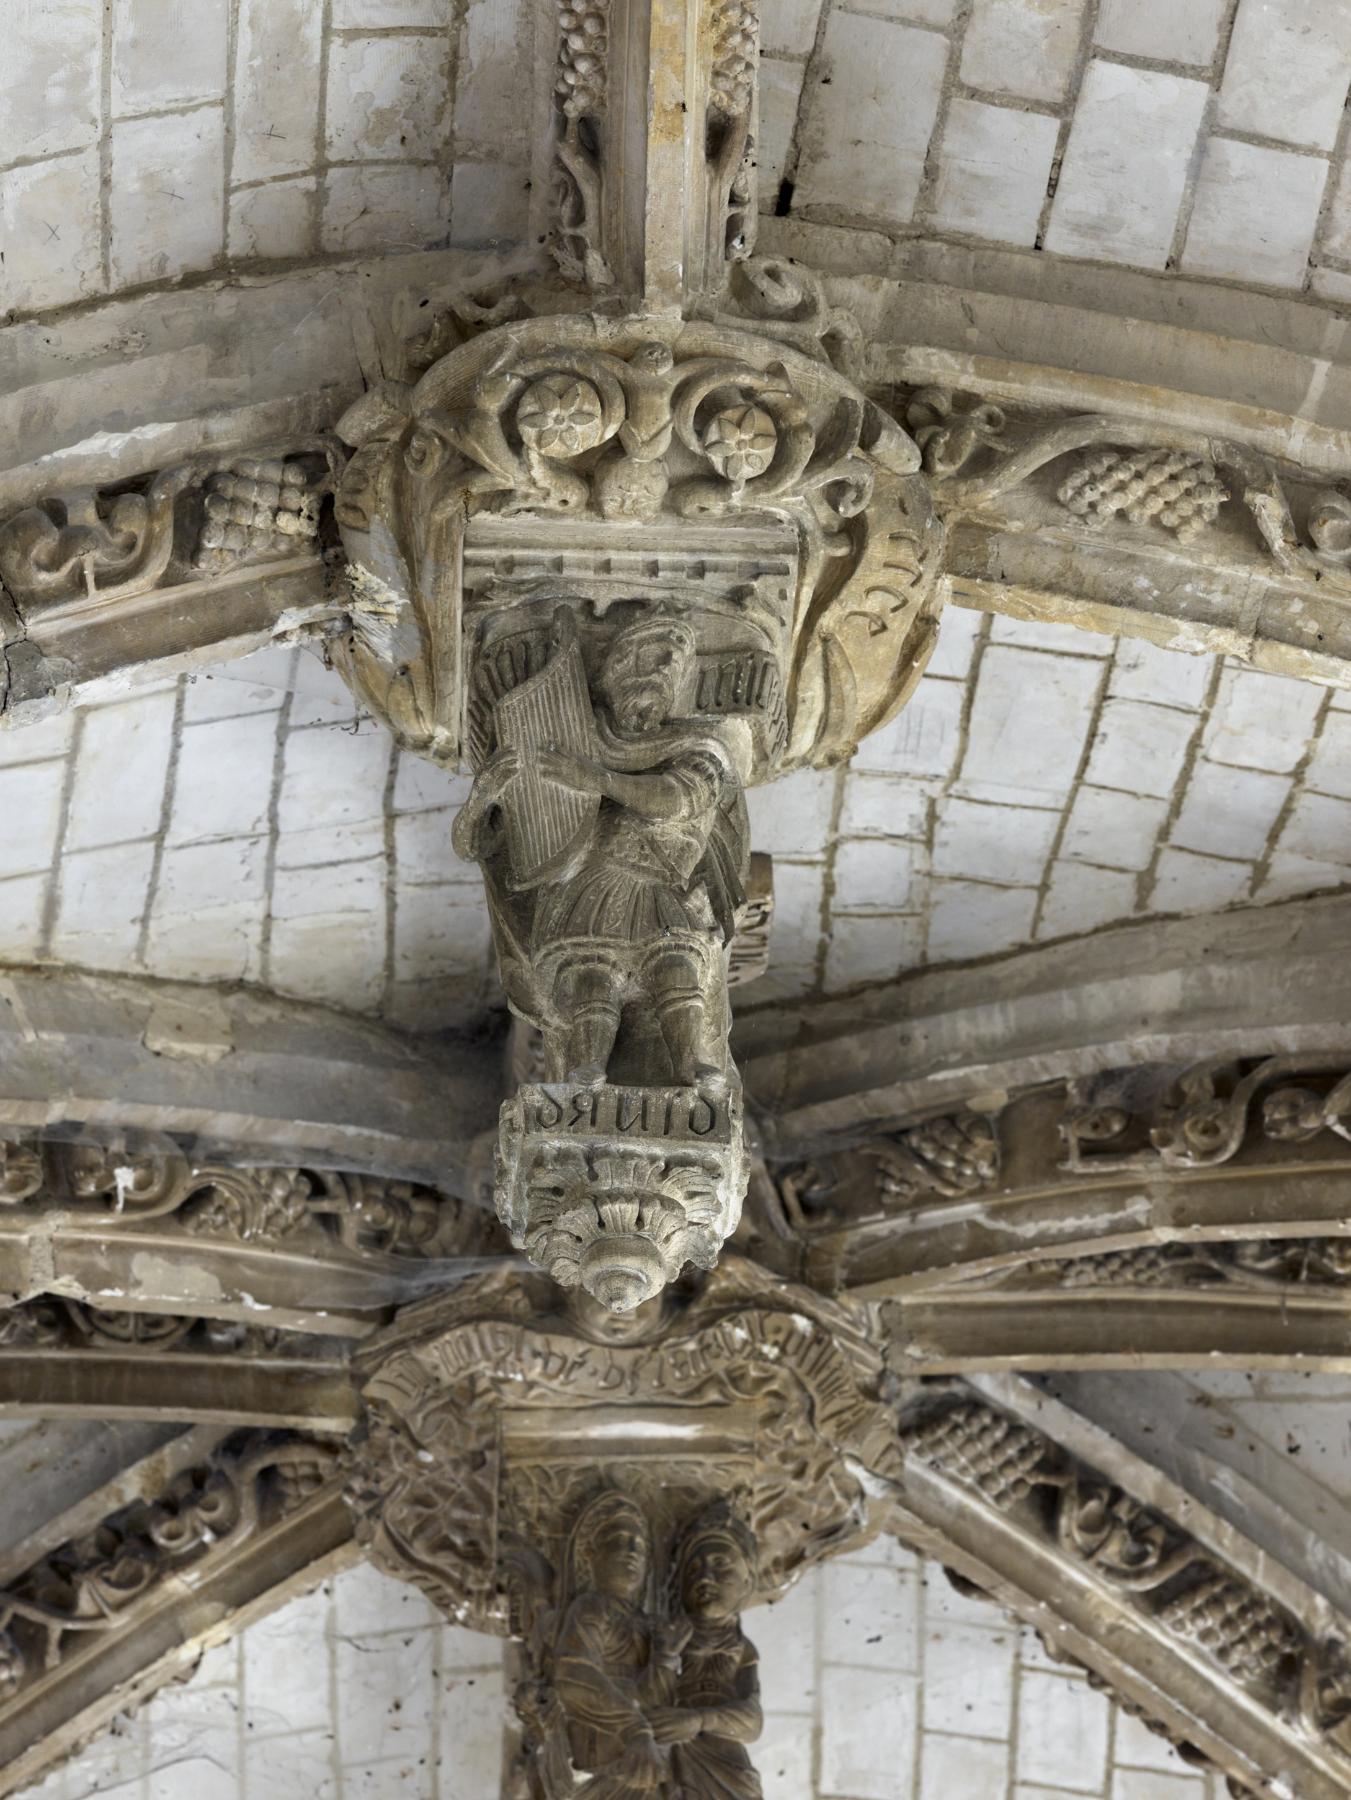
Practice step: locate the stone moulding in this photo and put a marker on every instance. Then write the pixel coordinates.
(133, 1221)
(1239, 983)
(1128, 523)
(1165, 1177)
(238, 1076)
(1187, 1622)
(185, 565)
(63, 1359)
(99, 1622)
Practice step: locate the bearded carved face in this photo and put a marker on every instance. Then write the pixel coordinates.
(644, 673)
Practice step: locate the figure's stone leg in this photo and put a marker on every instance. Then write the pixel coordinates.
(675, 979)
(588, 1003)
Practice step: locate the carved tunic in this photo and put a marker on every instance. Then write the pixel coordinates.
(604, 1679)
(634, 886)
(719, 1675)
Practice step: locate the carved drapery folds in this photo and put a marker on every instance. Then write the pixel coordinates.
(626, 569)
(637, 1674)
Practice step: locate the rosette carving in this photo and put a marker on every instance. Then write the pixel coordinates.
(703, 423)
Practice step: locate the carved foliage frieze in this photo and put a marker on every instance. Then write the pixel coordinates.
(1100, 471)
(91, 546)
(892, 1173)
(1206, 1115)
(101, 1583)
(1268, 1266)
(1145, 1558)
(51, 1324)
(125, 1181)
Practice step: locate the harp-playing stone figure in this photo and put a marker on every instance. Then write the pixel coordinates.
(614, 842)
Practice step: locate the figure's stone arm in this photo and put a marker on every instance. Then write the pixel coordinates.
(675, 792)
(742, 1718)
(655, 796)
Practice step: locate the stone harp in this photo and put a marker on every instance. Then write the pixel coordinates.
(546, 824)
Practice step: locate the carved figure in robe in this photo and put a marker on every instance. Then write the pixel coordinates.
(716, 1711)
(613, 1664)
(641, 911)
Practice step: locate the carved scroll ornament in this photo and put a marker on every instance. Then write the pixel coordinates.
(888, 1175)
(1106, 471)
(102, 1583)
(91, 546)
(1204, 1116)
(1216, 1612)
(605, 421)
(123, 1182)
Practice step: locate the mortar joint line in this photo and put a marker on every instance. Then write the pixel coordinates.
(1072, 793)
(1191, 180)
(105, 144)
(319, 198)
(273, 831)
(1074, 86)
(391, 879)
(166, 817)
(811, 80)
(1338, 175)
(980, 643)
(1146, 881)
(229, 123)
(928, 186)
(828, 877)
(52, 897)
(1294, 793)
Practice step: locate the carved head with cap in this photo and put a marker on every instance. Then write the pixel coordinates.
(646, 671)
(715, 1565)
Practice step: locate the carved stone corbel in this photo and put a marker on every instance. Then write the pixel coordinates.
(625, 569)
(611, 1492)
